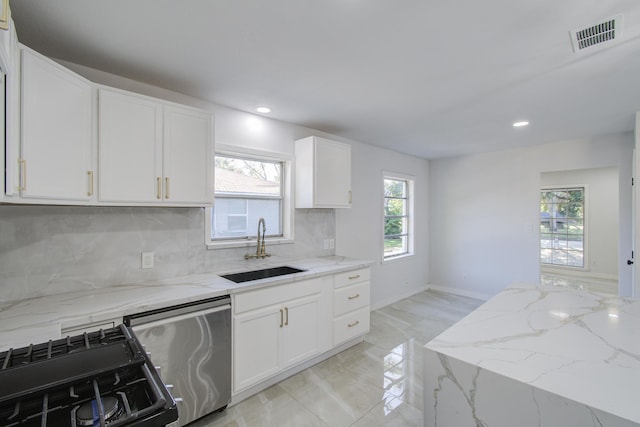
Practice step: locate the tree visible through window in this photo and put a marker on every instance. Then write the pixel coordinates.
(562, 226)
(245, 191)
(396, 217)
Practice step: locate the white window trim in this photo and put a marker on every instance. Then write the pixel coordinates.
(550, 268)
(288, 211)
(411, 208)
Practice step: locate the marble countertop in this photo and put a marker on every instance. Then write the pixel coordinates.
(39, 319)
(576, 344)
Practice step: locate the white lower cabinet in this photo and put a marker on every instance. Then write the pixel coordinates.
(278, 327)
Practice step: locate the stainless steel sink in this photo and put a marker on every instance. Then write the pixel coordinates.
(247, 276)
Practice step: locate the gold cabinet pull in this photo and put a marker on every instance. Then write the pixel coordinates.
(281, 318)
(354, 277)
(159, 188)
(351, 325)
(90, 176)
(354, 296)
(166, 187)
(22, 163)
(286, 316)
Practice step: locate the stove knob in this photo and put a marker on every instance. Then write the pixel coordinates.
(158, 370)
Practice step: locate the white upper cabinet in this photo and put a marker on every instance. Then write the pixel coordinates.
(188, 157)
(152, 152)
(323, 173)
(129, 148)
(56, 159)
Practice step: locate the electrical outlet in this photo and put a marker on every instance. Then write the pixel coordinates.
(325, 244)
(332, 243)
(147, 259)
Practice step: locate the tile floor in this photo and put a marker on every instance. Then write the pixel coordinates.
(375, 383)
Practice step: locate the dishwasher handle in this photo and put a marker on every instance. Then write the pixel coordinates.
(188, 310)
(142, 325)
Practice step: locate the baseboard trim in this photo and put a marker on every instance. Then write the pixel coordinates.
(462, 292)
(397, 297)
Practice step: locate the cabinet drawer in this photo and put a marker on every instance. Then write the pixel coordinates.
(278, 294)
(351, 277)
(350, 325)
(349, 298)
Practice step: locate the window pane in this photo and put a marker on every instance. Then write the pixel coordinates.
(227, 220)
(395, 188)
(395, 206)
(562, 227)
(270, 211)
(229, 225)
(245, 191)
(243, 176)
(394, 226)
(396, 217)
(395, 246)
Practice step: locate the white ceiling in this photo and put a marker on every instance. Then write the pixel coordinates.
(432, 78)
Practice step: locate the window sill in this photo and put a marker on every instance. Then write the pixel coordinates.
(397, 257)
(230, 244)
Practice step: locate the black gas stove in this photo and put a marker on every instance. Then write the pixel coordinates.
(100, 378)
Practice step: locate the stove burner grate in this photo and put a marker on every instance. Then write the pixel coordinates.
(121, 391)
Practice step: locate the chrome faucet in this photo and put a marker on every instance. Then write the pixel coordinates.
(261, 247)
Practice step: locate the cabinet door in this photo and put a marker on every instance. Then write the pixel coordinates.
(301, 332)
(333, 174)
(56, 145)
(129, 148)
(188, 161)
(256, 346)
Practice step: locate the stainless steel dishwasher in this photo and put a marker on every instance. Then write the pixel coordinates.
(191, 344)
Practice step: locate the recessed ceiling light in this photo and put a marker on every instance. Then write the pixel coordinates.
(263, 110)
(520, 124)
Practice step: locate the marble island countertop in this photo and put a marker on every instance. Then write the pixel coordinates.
(39, 319)
(546, 355)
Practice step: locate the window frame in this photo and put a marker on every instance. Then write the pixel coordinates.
(585, 228)
(410, 208)
(287, 215)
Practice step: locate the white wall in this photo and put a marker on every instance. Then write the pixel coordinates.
(360, 230)
(484, 211)
(601, 216)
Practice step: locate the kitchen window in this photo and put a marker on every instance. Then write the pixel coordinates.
(562, 232)
(249, 186)
(398, 216)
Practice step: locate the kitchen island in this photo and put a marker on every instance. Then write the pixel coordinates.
(537, 356)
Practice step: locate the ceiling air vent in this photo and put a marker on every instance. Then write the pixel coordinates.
(600, 34)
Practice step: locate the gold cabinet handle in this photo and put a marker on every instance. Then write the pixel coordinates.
(354, 277)
(354, 296)
(90, 175)
(159, 188)
(351, 325)
(166, 187)
(286, 316)
(22, 163)
(281, 318)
